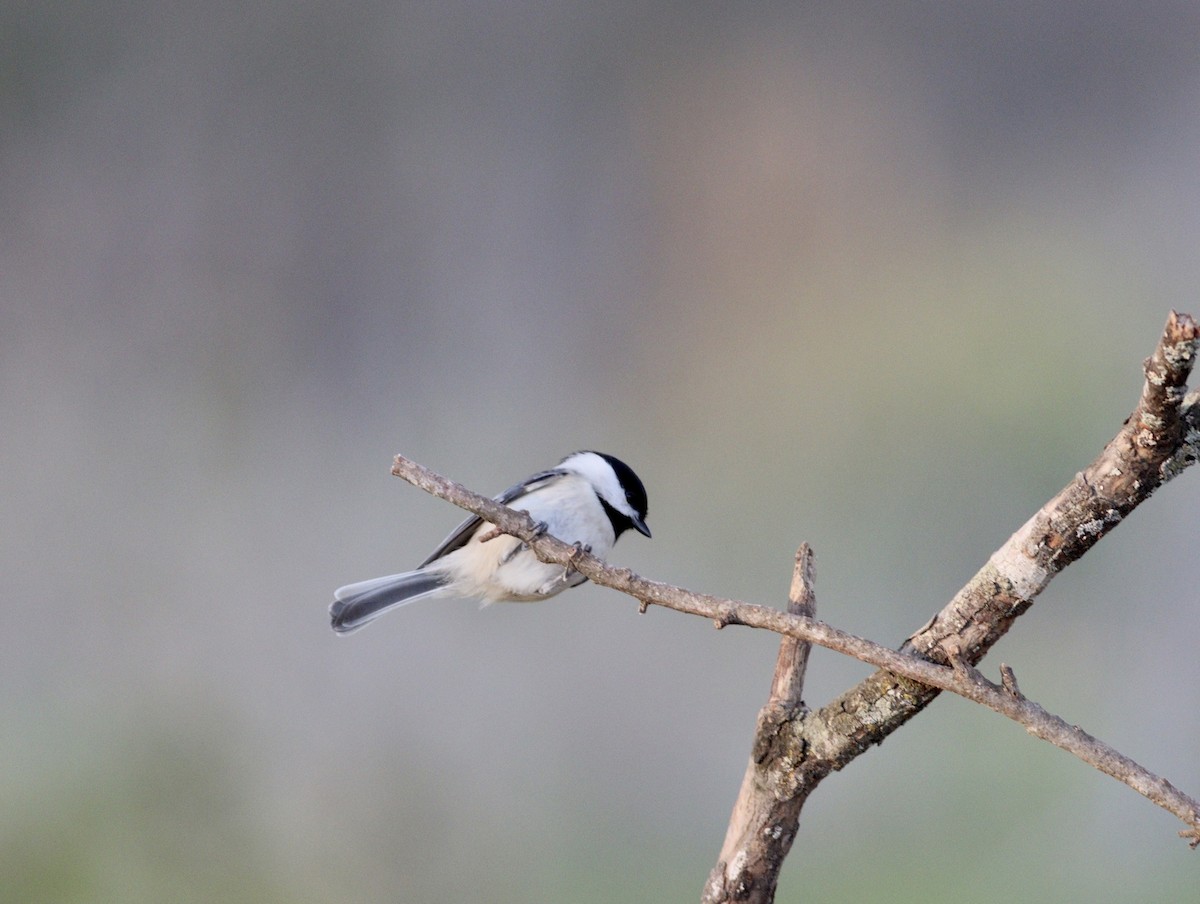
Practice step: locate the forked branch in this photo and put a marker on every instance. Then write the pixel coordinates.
(1159, 439)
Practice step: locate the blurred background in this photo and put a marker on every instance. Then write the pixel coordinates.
(875, 276)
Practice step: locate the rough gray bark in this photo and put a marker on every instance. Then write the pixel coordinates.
(1151, 447)
(759, 803)
(1157, 440)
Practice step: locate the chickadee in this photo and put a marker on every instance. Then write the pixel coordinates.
(590, 498)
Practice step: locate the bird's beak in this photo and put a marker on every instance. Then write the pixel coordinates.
(640, 524)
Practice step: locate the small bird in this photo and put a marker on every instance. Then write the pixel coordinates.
(589, 498)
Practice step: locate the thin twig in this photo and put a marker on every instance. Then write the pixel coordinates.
(787, 685)
(1008, 681)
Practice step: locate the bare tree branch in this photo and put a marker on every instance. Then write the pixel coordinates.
(787, 686)
(757, 803)
(910, 674)
(1159, 440)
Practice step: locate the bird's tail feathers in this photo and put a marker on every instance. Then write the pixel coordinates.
(357, 604)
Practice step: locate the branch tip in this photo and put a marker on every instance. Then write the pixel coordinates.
(1008, 681)
(953, 648)
(802, 597)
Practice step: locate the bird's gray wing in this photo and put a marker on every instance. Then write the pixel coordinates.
(461, 534)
